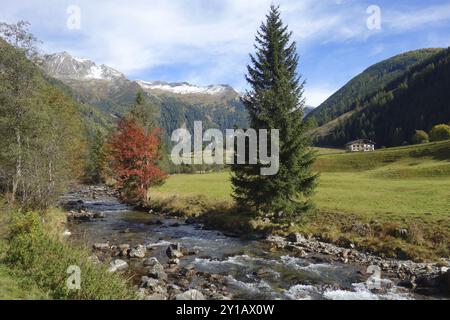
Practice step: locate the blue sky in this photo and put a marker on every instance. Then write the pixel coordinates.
(208, 41)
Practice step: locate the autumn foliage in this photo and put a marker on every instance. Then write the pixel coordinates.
(134, 154)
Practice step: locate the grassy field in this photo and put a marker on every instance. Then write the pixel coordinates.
(406, 187)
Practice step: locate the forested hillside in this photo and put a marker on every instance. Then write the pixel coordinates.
(43, 143)
(366, 84)
(417, 100)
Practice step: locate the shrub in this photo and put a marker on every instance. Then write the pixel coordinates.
(440, 133)
(42, 258)
(420, 137)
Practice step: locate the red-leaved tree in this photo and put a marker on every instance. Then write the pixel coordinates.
(134, 156)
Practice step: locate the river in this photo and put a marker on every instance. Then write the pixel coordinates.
(252, 270)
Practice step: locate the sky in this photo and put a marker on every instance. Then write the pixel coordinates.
(207, 42)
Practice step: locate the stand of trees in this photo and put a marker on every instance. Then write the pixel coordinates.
(42, 146)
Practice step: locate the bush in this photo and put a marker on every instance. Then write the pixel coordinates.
(420, 137)
(440, 133)
(40, 257)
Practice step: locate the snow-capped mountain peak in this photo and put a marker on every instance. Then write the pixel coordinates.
(63, 66)
(184, 88)
(67, 68)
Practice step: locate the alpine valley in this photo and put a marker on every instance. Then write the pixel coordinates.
(177, 104)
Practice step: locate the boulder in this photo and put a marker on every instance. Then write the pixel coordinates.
(173, 289)
(174, 251)
(102, 247)
(150, 262)
(98, 215)
(190, 220)
(401, 233)
(190, 295)
(157, 272)
(409, 283)
(67, 233)
(138, 252)
(124, 249)
(295, 238)
(118, 265)
(150, 283)
(94, 259)
(174, 261)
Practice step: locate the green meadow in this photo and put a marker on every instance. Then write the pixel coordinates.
(407, 187)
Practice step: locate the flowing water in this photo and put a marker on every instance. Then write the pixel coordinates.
(252, 270)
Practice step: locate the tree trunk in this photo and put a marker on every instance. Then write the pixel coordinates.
(18, 175)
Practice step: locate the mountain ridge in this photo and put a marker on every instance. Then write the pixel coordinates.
(415, 100)
(177, 104)
(372, 79)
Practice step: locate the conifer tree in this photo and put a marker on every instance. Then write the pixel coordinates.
(144, 113)
(275, 102)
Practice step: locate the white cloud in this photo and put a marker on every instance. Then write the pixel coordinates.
(411, 18)
(141, 34)
(213, 38)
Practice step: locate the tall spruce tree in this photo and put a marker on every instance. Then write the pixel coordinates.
(275, 102)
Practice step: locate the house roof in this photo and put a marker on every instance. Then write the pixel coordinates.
(366, 141)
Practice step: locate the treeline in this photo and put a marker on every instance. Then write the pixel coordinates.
(43, 143)
(419, 99)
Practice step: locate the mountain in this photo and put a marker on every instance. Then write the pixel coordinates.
(178, 104)
(365, 84)
(185, 88)
(64, 66)
(416, 99)
(307, 110)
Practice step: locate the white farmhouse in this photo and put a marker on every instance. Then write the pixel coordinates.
(361, 145)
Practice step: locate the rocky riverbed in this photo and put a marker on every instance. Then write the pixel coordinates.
(170, 258)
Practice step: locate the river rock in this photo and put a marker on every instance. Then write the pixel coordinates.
(408, 283)
(138, 252)
(190, 220)
(118, 265)
(98, 215)
(150, 262)
(94, 259)
(102, 247)
(174, 251)
(295, 238)
(124, 249)
(174, 261)
(150, 283)
(401, 233)
(157, 272)
(67, 233)
(192, 294)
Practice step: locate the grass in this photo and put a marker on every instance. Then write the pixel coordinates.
(407, 187)
(34, 260)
